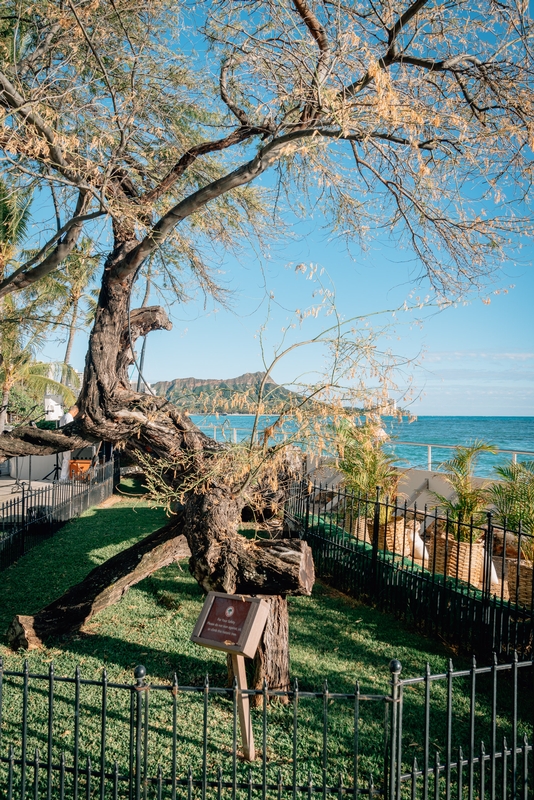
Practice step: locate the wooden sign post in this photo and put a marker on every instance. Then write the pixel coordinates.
(234, 623)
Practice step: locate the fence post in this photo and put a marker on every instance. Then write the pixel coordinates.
(376, 531)
(488, 552)
(23, 520)
(392, 791)
(487, 629)
(140, 690)
(307, 518)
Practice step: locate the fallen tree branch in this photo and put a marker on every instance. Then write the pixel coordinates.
(103, 586)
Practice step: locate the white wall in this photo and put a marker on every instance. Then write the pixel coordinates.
(41, 466)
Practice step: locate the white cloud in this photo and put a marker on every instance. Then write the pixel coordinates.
(459, 355)
(483, 375)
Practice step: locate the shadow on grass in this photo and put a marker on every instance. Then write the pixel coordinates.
(49, 569)
(331, 636)
(161, 664)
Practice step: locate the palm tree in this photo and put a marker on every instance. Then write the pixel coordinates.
(469, 500)
(513, 497)
(364, 462)
(14, 221)
(20, 337)
(72, 283)
(18, 367)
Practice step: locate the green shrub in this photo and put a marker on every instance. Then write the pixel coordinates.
(469, 501)
(513, 499)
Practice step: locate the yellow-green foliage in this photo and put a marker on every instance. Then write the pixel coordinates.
(469, 500)
(364, 462)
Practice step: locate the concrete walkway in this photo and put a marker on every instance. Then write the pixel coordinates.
(10, 490)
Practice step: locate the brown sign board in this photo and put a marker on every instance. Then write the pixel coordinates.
(231, 622)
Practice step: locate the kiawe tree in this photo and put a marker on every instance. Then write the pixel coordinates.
(154, 124)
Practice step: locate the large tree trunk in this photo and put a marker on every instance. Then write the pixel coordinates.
(271, 663)
(225, 561)
(221, 559)
(270, 666)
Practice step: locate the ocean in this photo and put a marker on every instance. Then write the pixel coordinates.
(506, 433)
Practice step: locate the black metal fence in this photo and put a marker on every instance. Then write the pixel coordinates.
(460, 733)
(468, 584)
(38, 513)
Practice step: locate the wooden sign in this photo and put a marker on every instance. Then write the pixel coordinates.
(231, 622)
(234, 623)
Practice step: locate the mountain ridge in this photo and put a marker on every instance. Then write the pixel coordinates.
(219, 396)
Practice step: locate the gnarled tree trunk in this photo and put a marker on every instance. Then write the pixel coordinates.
(271, 662)
(221, 559)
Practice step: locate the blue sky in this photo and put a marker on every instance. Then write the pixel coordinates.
(473, 359)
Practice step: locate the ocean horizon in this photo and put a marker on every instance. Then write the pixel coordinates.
(512, 433)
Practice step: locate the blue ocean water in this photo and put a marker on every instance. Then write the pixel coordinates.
(506, 433)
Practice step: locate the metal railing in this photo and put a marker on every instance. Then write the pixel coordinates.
(429, 445)
(68, 738)
(467, 583)
(224, 432)
(38, 513)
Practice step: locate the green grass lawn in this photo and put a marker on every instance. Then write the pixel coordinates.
(332, 638)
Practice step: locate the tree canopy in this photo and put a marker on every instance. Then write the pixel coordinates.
(410, 118)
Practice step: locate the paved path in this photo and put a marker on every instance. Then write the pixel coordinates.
(10, 491)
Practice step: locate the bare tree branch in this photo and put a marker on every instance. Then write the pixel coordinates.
(24, 277)
(403, 21)
(317, 31)
(12, 99)
(225, 97)
(312, 23)
(237, 136)
(42, 48)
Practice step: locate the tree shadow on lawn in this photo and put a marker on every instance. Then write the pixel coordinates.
(142, 629)
(337, 638)
(331, 636)
(161, 664)
(50, 568)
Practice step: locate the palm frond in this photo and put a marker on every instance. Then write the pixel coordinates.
(14, 214)
(42, 384)
(468, 501)
(513, 497)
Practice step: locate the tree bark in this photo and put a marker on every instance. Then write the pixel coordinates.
(271, 662)
(221, 559)
(3, 410)
(102, 587)
(72, 333)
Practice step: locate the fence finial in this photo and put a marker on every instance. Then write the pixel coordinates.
(140, 674)
(395, 666)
